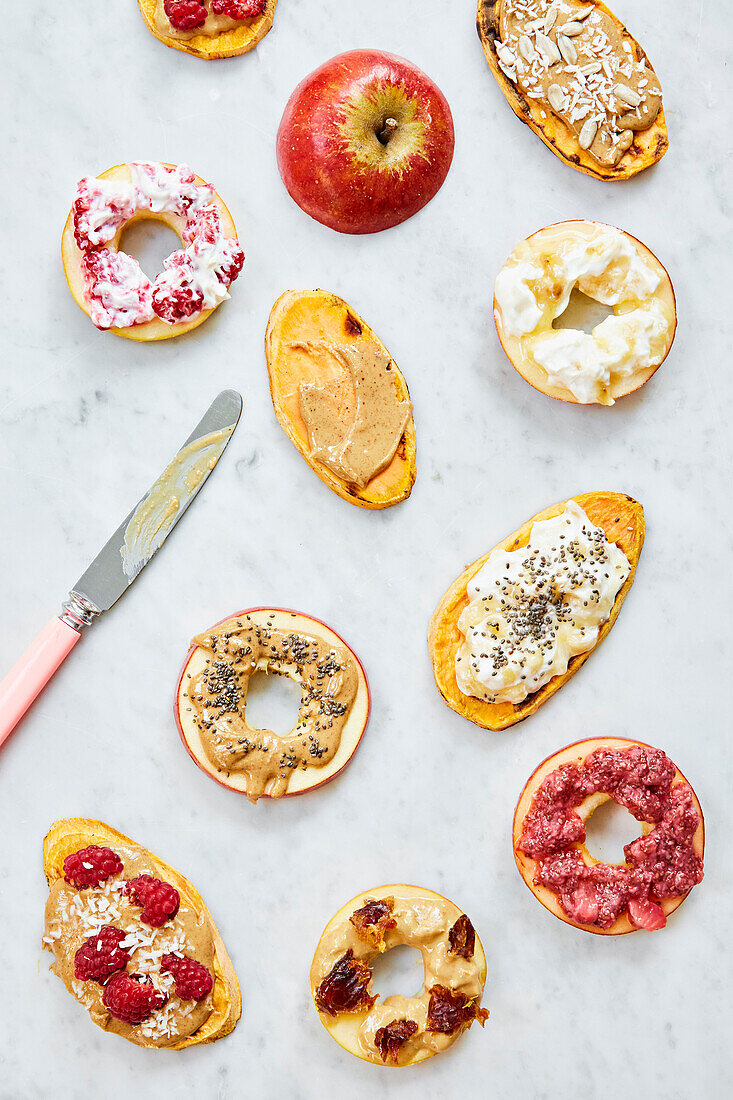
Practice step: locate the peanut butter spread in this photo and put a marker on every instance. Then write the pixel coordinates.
(577, 60)
(74, 915)
(213, 24)
(420, 919)
(355, 420)
(218, 696)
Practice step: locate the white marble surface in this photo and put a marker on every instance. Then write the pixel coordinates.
(86, 420)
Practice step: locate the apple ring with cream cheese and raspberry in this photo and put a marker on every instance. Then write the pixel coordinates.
(533, 289)
(660, 867)
(398, 1031)
(211, 703)
(111, 287)
(209, 29)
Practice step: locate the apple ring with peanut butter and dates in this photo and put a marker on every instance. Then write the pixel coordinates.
(398, 1031)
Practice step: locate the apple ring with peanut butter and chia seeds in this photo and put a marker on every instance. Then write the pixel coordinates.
(607, 265)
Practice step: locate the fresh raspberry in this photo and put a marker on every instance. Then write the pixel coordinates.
(185, 15)
(238, 9)
(229, 270)
(131, 998)
(101, 955)
(159, 900)
(176, 303)
(193, 980)
(91, 866)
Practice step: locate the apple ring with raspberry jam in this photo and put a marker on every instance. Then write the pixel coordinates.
(398, 1031)
(661, 866)
(211, 703)
(112, 288)
(209, 29)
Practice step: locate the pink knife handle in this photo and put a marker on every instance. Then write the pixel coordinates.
(33, 671)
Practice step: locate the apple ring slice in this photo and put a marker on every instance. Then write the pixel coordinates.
(498, 666)
(341, 398)
(133, 940)
(398, 1031)
(661, 866)
(211, 703)
(206, 29)
(533, 289)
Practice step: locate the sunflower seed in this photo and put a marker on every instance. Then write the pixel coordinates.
(567, 49)
(556, 97)
(572, 28)
(581, 15)
(627, 95)
(593, 67)
(588, 134)
(550, 18)
(547, 48)
(526, 48)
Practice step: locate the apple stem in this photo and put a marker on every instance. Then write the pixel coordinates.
(390, 126)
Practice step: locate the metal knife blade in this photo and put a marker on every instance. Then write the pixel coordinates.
(145, 529)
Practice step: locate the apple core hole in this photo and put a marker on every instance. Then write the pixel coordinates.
(273, 702)
(149, 242)
(582, 313)
(398, 971)
(608, 829)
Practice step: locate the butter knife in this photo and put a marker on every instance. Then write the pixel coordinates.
(119, 562)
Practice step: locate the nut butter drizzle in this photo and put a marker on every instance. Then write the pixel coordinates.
(577, 60)
(218, 695)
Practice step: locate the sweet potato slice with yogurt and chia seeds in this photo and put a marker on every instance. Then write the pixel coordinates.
(230, 43)
(319, 317)
(622, 519)
(648, 147)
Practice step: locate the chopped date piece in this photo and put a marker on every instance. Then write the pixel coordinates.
(346, 987)
(462, 938)
(374, 920)
(448, 1010)
(388, 1040)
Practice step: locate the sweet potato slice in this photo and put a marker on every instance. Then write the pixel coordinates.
(72, 834)
(622, 519)
(648, 147)
(319, 317)
(238, 40)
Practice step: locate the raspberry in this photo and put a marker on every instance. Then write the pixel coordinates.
(228, 272)
(177, 303)
(101, 955)
(185, 15)
(131, 998)
(91, 866)
(159, 900)
(193, 980)
(238, 9)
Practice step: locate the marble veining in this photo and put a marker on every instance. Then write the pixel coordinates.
(86, 422)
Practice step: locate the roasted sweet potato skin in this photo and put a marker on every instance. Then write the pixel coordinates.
(229, 44)
(71, 834)
(621, 517)
(322, 316)
(649, 146)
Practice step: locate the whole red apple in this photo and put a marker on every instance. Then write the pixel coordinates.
(365, 141)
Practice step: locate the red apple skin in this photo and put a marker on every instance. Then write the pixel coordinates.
(347, 190)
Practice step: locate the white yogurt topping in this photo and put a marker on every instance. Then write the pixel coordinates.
(531, 610)
(531, 291)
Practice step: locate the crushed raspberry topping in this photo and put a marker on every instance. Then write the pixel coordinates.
(660, 865)
(193, 980)
(388, 1040)
(373, 920)
(101, 955)
(185, 15)
(91, 866)
(196, 277)
(462, 938)
(449, 1009)
(159, 900)
(238, 9)
(131, 998)
(346, 987)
